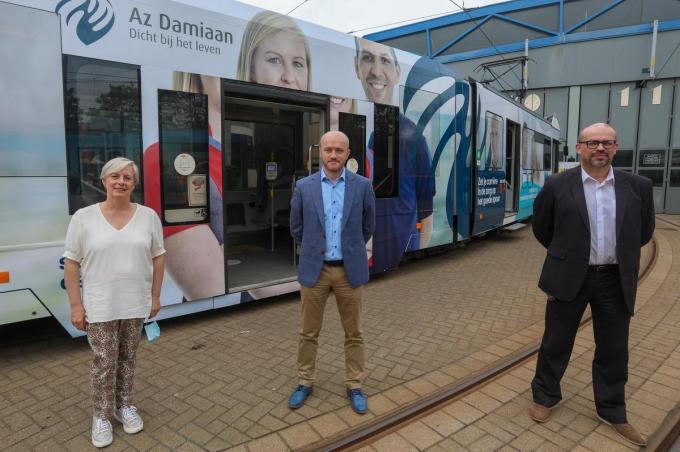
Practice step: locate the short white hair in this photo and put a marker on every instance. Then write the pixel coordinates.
(117, 164)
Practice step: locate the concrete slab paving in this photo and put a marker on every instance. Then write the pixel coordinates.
(652, 389)
(221, 380)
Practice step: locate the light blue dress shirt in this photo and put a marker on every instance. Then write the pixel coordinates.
(333, 200)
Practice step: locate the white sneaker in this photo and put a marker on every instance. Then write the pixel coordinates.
(127, 415)
(102, 432)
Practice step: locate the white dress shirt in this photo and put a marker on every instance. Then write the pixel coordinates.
(601, 204)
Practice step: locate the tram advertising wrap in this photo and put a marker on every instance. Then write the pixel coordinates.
(205, 100)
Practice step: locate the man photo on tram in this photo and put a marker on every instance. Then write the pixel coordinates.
(404, 217)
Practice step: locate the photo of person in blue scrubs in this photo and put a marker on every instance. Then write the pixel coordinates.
(404, 221)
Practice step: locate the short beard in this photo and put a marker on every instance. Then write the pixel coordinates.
(600, 163)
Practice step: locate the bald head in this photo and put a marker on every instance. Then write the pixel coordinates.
(595, 128)
(596, 148)
(334, 135)
(333, 152)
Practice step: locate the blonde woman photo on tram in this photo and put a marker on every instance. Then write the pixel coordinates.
(274, 51)
(116, 249)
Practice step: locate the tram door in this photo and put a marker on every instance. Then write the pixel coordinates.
(266, 147)
(511, 166)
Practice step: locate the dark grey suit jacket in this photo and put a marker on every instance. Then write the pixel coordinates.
(561, 224)
(307, 227)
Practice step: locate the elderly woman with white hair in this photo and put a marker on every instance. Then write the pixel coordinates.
(116, 249)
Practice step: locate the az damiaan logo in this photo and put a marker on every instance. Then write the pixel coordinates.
(94, 18)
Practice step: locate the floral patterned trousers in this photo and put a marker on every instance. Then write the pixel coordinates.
(114, 345)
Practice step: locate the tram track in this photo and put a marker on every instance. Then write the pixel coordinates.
(367, 434)
(669, 222)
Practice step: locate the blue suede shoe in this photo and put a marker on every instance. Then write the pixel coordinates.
(358, 399)
(299, 395)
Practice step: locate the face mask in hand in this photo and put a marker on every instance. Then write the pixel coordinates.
(153, 331)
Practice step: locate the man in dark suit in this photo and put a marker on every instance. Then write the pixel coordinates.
(332, 217)
(593, 220)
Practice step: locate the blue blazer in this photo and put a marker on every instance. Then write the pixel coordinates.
(307, 227)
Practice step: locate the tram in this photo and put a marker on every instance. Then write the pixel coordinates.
(222, 107)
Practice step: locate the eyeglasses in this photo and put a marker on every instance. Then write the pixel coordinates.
(594, 144)
(329, 151)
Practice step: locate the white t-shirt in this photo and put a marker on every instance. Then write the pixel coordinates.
(116, 266)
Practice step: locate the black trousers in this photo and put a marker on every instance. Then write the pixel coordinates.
(611, 322)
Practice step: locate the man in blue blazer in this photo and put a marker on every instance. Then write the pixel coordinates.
(332, 216)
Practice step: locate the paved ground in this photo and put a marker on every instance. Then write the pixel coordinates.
(495, 417)
(221, 380)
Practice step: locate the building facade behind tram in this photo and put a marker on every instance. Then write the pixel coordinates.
(613, 61)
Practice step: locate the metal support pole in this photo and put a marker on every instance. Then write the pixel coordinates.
(271, 201)
(652, 60)
(525, 69)
(295, 244)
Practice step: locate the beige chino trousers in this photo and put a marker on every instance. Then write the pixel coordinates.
(349, 301)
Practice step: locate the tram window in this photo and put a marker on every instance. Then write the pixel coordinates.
(525, 147)
(656, 175)
(675, 157)
(623, 157)
(537, 151)
(183, 128)
(532, 150)
(354, 126)
(103, 120)
(547, 153)
(238, 155)
(674, 178)
(493, 158)
(385, 146)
